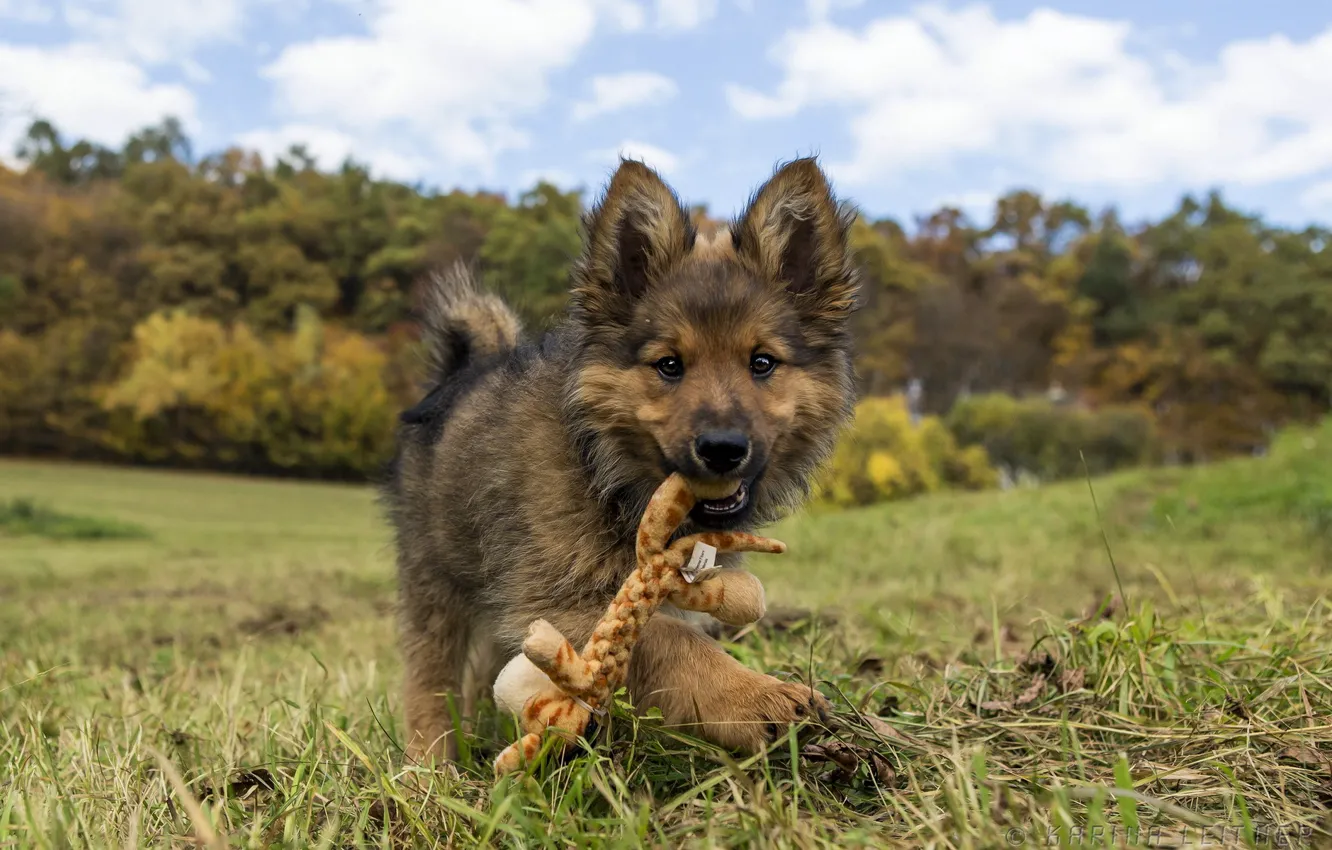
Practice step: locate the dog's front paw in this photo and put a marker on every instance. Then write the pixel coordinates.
(753, 710)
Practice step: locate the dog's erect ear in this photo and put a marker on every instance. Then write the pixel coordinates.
(635, 235)
(795, 232)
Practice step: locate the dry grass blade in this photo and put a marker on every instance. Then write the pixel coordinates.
(203, 828)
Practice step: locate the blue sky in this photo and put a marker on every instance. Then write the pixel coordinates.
(909, 105)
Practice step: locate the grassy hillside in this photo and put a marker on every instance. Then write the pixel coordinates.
(218, 661)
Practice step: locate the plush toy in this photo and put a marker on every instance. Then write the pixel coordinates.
(550, 685)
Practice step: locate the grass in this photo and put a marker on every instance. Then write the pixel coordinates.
(232, 677)
(25, 516)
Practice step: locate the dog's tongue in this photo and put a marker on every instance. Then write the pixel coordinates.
(711, 491)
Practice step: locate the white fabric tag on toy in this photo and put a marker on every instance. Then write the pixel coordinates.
(702, 563)
(597, 712)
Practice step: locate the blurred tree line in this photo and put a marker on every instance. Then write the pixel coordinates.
(233, 313)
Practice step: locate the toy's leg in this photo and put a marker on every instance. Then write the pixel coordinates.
(518, 753)
(704, 691)
(665, 511)
(557, 658)
(725, 541)
(734, 596)
(549, 710)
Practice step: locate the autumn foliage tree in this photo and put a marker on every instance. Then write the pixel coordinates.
(227, 311)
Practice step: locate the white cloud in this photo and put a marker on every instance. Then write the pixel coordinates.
(614, 92)
(684, 14)
(449, 80)
(655, 157)
(626, 14)
(85, 93)
(96, 86)
(821, 9)
(155, 31)
(1062, 98)
(330, 148)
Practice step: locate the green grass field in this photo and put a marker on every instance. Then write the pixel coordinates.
(217, 665)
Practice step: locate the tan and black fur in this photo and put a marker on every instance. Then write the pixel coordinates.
(520, 478)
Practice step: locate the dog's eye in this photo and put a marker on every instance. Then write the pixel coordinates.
(761, 365)
(670, 368)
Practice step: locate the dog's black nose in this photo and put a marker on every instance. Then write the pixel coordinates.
(722, 451)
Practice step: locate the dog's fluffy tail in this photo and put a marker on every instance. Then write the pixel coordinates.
(463, 324)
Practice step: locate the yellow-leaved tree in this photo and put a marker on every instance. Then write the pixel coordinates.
(201, 392)
(886, 456)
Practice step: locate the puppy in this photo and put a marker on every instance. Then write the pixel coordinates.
(520, 478)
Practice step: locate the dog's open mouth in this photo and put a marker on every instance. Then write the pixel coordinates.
(726, 506)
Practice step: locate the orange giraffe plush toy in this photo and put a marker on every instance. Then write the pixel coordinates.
(551, 686)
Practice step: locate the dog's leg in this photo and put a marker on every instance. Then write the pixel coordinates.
(484, 661)
(435, 654)
(705, 692)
